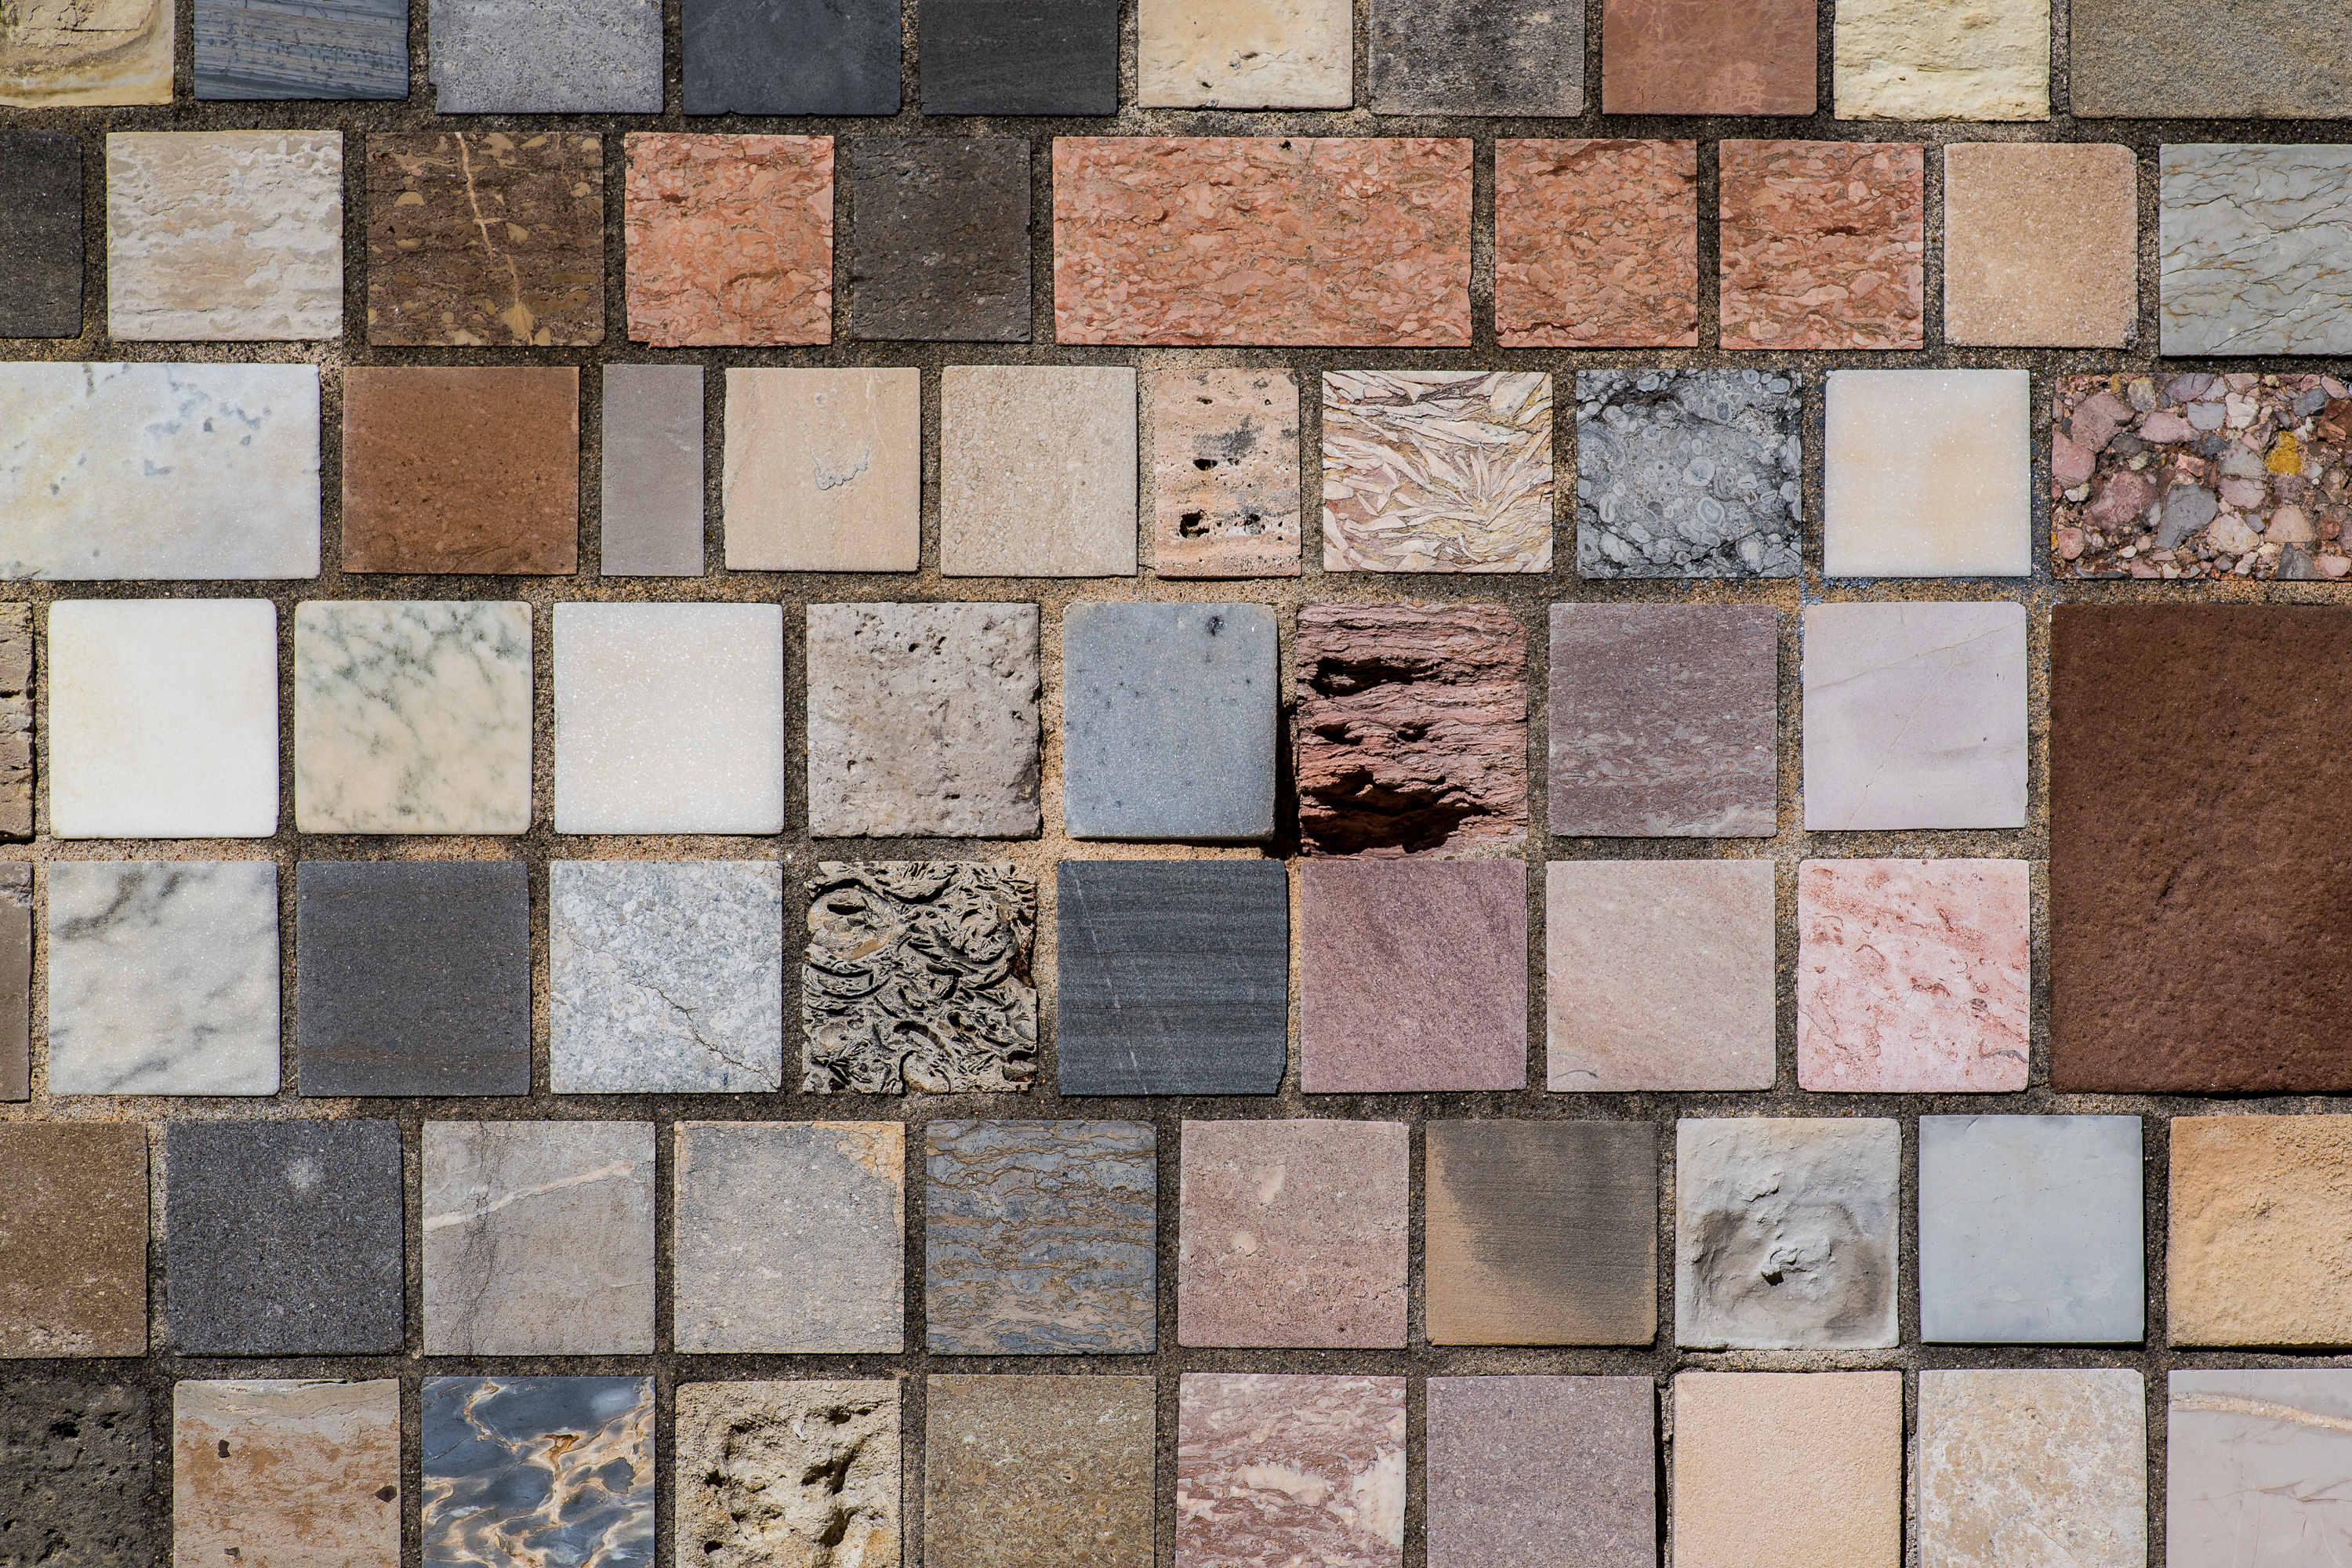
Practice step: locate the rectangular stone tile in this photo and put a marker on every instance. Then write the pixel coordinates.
(2167, 59)
(2040, 245)
(1436, 471)
(2029, 1230)
(16, 736)
(1596, 244)
(790, 1238)
(730, 239)
(1039, 1238)
(824, 471)
(337, 50)
(1813, 1201)
(73, 1245)
(2257, 1465)
(1224, 473)
(1527, 1472)
(225, 234)
(1476, 57)
(650, 523)
(1012, 57)
(16, 981)
(1259, 54)
(1145, 229)
(1290, 1470)
(76, 1473)
(1822, 245)
(472, 470)
(2015, 1465)
(2245, 240)
(1787, 1466)
(804, 1473)
(1293, 1235)
(2258, 1231)
(1927, 473)
(1689, 473)
(67, 58)
(1664, 721)
(537, 56)
(1707, 56)
(549, 1469)
(1045, 1472)
(1915, 716)
(1542, 1233)
(1037, 471)
(1174, 976)
(276, 1472)
(939, 240)
(40, 250)
(1900, 60)
(807, 57)
(1169, 721)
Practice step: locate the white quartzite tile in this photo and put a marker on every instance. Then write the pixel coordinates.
(1927, 473)
(221, 235)
(2259, 1468)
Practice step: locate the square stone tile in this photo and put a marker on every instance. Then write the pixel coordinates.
(1412, 975)
(1436, 471)
(804, 56)
(1010, 56)
(1596, 244)
(2029, 1230)
(2040, 243)
(1707, 56)
(1787, 1466)
(2257, 1465)
(917, 972)
(666, 977)
(2245, 248)
(539, 1237)
(65, 59)
(923, 721)
(939, 240)
(669, 718)
(1053, 1472)
(163, 719)
(1785, 1233)
(485, 239)
(1915, 716)
(283, 1238)
(1822, 245)
(278, 1470)
(2176, 58)
(1689, 473)
(1468, 57)
(1040, 1238)
(75, 1473)
(73, 1246)
(1522, 1468)
(468, 469)
(1542, 1233)
(225, 234)
(1927, 473)
(118, 471)
(730, 239)
(2014, 1464)
(824, 471)
(1900, 60)
(163, 977)
(336, 50)
(1224, 473)
(1664, 721)
(539, 1468)
(1293, 1235)
(650, 524)
(1169, 715)
(802, 1470)
(412, 717)
(41, 251)
(1260, 54)
(1037, 471)
(1289, 1469)
(539, 57)
(413, 977)
(790, 1238)
(2258, 1231)
(1173, 977)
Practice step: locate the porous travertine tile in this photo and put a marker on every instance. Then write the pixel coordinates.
(2040, 245)
(1224, 473)
(60, 57)
(2029, 1230)
(1436, 471)
(1246, 53)
(2260, 1245)
(939, 239)
(985, 56)
(1596, 244)
(1787, 1466)
(1274, 1468)
(1038, 1472)
(338, 51)
(1689, 473)
(545, 56)
(824, 471)
(461, 469)
(1707, 56)
(1915, 716)
(1822, 245)
(803, 1474)
(73, 1248)
(2019, 1466)
(217, 235)
(2176, 59)
(801, 57)
(1037, 471)
(651, 521)
(1943, 59)
(545, 1469)
(285, 1473)
(730, 239)
(2257, 1462)
(1522, 1470)
(2246, 247)
(75, 1473)
(1477, 57)
(1927, 473)
(40, 249)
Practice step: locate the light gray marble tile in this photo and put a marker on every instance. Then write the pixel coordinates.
(2029, 1230)
(2249, 248)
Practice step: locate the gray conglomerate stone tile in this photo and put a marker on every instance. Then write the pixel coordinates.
(334, 49)
(73, 1240)
(651, 524)
(1041, 1472)
(2259, 1467)
(791, 57)
(76, 1467)
(938, 246)
(801, 1473)
(2247, 242)
(545, 56)
(1531, 1472)
(283, 1238)
(2165, 59)
(539, 1470)
(1692, 473)
(40, 245)
(1018, 56)
(1173, 976)
(1477, 57)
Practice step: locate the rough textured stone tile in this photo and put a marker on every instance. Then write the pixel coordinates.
(651, 521)
(730, 239)
(1689, 473)
(939, 240)
(1436, 471)
(1040, 1238)
(1787, 1466)
(2174, 59)
(1822, 245)
(283, 1238)
(666, 977)
(1293, 1235)
(1169, 721)
(791, 57)
(2246, 237)
(1596, 244)
(1522, 1470)
(73, 1248)
(75, 1474)
(923, 720)
(1044, 1472)
(471, 470)
(1413, 727)
(40, 250)
(15, 983)
(1927, 473)
(15, 738)
(545, 56)
(1707, 56)
(1224, 473)
(802, 1474)
(2029, 1230)
(549, 1469)
(1174, 976)
(1542, 1233)
(789, 1237)
(1018, 56)
(337, 50)
(1949, 59)
(1472, 57)
(2259, 1242)
(669, 718)
(1290, 1470)
(1915, 716)
(413, 977)
(1037, 471)
(1253, 54)
(221, 235)
(824, 471)
(115, 471)
(917, 972)
(1145, 229)
(269, 1473)
(62, 57)
(2257, 1465)
(412, 717)
(2040, 245)
(163, 719)
(163, 977)
(2018, 1465)
(539, 1237)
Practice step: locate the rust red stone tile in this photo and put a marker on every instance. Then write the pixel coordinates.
(1596, 244)
(1822, 245)
(730, 239)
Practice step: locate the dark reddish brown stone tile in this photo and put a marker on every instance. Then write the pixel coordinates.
(1707, 56)
(461, 469)
(1823, 245)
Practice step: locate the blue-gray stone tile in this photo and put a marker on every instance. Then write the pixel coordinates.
(791, 57)
(552, 1470)
(1018, 56)
(339, 51)
(40, 245)
(545, 56)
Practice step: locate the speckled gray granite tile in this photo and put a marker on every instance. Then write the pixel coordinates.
(651, 523)
(802, 1474)
(938, 246)
(1693, 473)
(2247, 242)
(545, 56)
(1477, 57)
(339, 51)
(539, 1470)
(40, 246)
(791, 57)
(2029, 1230)
(75, 1467)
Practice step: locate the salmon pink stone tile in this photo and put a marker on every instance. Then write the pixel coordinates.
(1822, 245)
(730, 240)
(1596, 244)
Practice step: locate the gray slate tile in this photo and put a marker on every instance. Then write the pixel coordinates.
(939, 239)
(1477, 57)
(791, 57)
(338, 51)
(545, 56)
(76, 1467)
(40, 244)
(651, 524)
(1019, 57)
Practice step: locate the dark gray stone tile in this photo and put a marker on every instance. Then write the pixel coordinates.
(938, 240)
(791, 56)
(76, 1466)
(539, 1469)
(1019, 57)
(1477, 57)
(40, 243)
(334, 49)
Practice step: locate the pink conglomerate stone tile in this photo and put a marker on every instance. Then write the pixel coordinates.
(730, 239)
(1274, 1469)
(1823, 245)
(1596, 244)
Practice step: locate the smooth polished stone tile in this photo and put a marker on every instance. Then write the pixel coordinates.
(2258, 1224)
(2040, 245)
(1018, 56)
(2257, 1467)
(1542, 1233)
(548, 1470)
(1049, 1472)
(214, 235)
(730, 239)
(1690, 473)
(2169, 59)
(1224, 473)
(451, 469)
(1430, 470)
(539, 57)
(2016, 1465)
(1477, 57)
(70, 1452)
(336, 50)
(2245, 241)
(940, 235)
(650, 524)
(1037, 471)
(2029, 1230)
(1822, 245)
(1927, 473)
(824, 471)
(1273, 1468)
(1257, 54)
(1707, 56)
(40, 249)
(73, 1248)
(1596, 244)
(791, 57)
(1522, 1470)
(1787, 1466)
(269, 1473)
(62, 57)
(801, 1472)
(1947, 60)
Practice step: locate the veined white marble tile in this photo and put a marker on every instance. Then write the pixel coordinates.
(215, 236)
(1927, 473)
(2250, 243)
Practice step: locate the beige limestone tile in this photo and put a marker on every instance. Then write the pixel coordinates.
(55, 53)
(1036, 471)
(1943, 59)
(824, 471)
(1244, 53)
(2040, 245)
(1927, 473)
(285, 1473)
(787, 1475)
(2261, 1249)
(1224, 473)
(1787, 1467)
(2032, 1468)
(225, 234)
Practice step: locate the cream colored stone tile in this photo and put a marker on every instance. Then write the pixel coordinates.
(225, 234)
(1787, 1467)
(58, 53)
(1037, 471)
(824, 471)
(1246, 53)
(1927, 473)
(2042, 1466)
(1943, 59)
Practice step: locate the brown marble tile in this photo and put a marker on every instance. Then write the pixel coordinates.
(1822, 245)
(1274, 1469)
(730, 239)
(1038, 1472)
(1596, 244)
(1707, 56)
(73, 1238)
(285, 1473)
(1224, 473)
(461, 469)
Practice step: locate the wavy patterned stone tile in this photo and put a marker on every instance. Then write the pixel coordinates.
(2016, 1466)
(1596, 244)
(461, 469)
(2040, 245)
(1707, 56)
(730, 239)
(1244, 53)
(545, 56)
(60, 54)
(1436, 471)
(285, 1473)
(1787, 1466)
(1822, 245)
(2247, 242)
(73, 1253)
(539, 1470)
(1278, 1469)
(2259, 1465)
(225, 234)
(2260, 1244)
(1224, 473)
(803, 1474)
(1042, 1472)
(1689, 473)
(339, 51)
(76, 1473)
(1943, 59)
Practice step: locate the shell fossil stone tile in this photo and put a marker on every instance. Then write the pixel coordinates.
(1280, 1468)
(1689, 473)
(277, 1473)
(800, 1474)
(1436, 471)
(550, 1469)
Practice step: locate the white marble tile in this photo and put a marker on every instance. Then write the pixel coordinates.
(412, 717)
(163, 719)
(2250, 249)
(1927, 473)
(163, 977)
(214, 236)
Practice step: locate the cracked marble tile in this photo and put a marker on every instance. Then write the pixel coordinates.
(2248, 240)
(800, 1474)
(2025, 1466)
(1436, 471)
(728, 239)
(539, 1470)
(285, 1473)
(2258, 1466)
(1273, 1468)
(60, 54)
(215, 236)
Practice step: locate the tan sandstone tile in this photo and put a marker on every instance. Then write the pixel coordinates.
(1036, 471)
(285, 1473)
(1779, 1467)
(1943, 59)
(2040, 245)
(824, 471)
(2260, 1248)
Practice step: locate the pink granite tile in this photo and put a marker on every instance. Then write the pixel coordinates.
(730, 239)
(1823, 245)
(1912, 976)
(1538, 1472)
(1274, 1470)
(1596, 244)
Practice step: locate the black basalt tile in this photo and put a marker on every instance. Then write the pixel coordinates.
(939, 240)
(1019, 57)
(791, 56)
(40, 236)
(76, 1466)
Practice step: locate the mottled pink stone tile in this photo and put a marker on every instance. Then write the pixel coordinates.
(1359, 241)
(730, 239)
(1275, 1470)
(1823, 245)
(1912, 976)
(1596, 244)
(1224, 473)
(1537, 1472)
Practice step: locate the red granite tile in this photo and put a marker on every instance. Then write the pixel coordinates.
(1596, 245)
(1275, 1470)
(451, 469)
(1822, 245)
(730, 239)
(1707, 56)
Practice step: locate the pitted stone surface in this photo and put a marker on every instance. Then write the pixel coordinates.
(1246, 53)
(1927, 473)
(1436, 471)
(2014, 1466)
(651, 521)
(339, 51)
(791, 57)
(1823, 245)
(276, 1473)
(73, 1251)
(1522, 1468)
(1224, 473)
(824, 471)
(64, 57)
(730, 239)
(461, 469)
(1707, 56)
(75, 1474)
(1596, 244)
(40, 249)
(1039, 1472)
(219, 235)
(1787, 1466)
(1037, 471)
(1944, 60)
(1915, 716)
(1689, 473)
(2164, 60)
(15, 723)
(2261, 1247)
(1477, 57)
(2257, 1461)
(803, 1474)
(2040, 245)
(545, 56)
(1018, 56)
(539, 1470)
(1274, 1468)
(939, 240)
(2245, 241)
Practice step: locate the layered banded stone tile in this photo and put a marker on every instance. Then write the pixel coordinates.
(1224, 473)
(2029, 1230)
(1274, 1468)
(1040, 1238)
(824, 471)
(2178, 58)
(1523, 1468)
(1259, 54)
(1467, 57)
(730, 239)
(73, 1250)
(76, 1473)
(789, 1237)
(1689, 473)
(224, 235)
(1005, 57)
(16, 981)
(550, 1468)
(1596, 244)
(539, 1237)
(283, 1237)
(804, 56)
(116, 472)
(1707, 56)
(413, 977)
(2259, 1238)
(666, 977)
(803, 1472)
(2257, 1459)
(337, 50)
(2244, 242)
(41, 251)
(1037, 471)
(1293, 1235)
(1915, 715)
(650, 522)
(2040, 245)
(1144, 229)
(163, 977)
(461, 469)
(62, 57)
(1787, 1466)
(270, 1472)
(1436, 471)
(1943, 60)
(1542, 1233)
(939, 239)
(1056, 1473)
(2015, 1464)
(1822, 245)
(538, 57)
(1927, 473)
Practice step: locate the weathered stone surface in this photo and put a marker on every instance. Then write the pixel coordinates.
(1036, 471)
(218, 234)
(551, 1469)
(2260, 1247)
(1246, 53)
(1787, 1466)
(60, 56)
(1785, 1233)
(1707, 56)
(2176, 59)
(1915, 716)
(2257, 1461)
(16, 727)
(2029, 1230)
(1413, 727)
(1146, 228)
(15, 985)
(1522, 1470)
(923, 720)
(281, 1473)
(1927, 473)
(788, 1475)
(791, 57)
(2246, 238)
(1039, 1472)
(917, 972)
(1293, 1235)
(545, 56)
(789, 1237)
(413, 977)
(1596, 244)
(1822, 245)
(467, 469)
(939, 240)
(666, 977)
(283, 1238)
(1689, 473)
(1542, 1233)
(1470, 57)
(74, 1474)
(1949, 59)
(2040, 245)
(339, 51)
(2015, 1466)
(73, 1246)
(730, 239)
(651, 521)
(824, 471)
(1040, 1238)
(40, 250)
(1174, 976)
(1290, 1470)
(1436, 471)
(1224, 473)
(1012, 57)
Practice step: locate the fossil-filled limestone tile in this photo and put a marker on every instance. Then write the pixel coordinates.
(55, 54)
(1787, 1466)
(1943, 59)
(730, 239)
(1927, 473)
(285, 1473)
(2167, 59)
(1915, 716)
(539, 1470)
(545, 56)
(2040, 245)
(2260, 1241)
(1707, 56)
(1274, 1468)
(1596, 244)
(1042, 1472)
(1018, 56)
(791, 57)
(336, 50)
(2015, 1466)
(1224, 473)
(1246, 53)
(1529, 1472)
(223, 234)
(1037, 471)
(800, 1474)
(651, 521)
(76, 1469)
(461, 469)
(2246, 239)
(1436, 471)
(73, 1250)
(939, 238)
(1822, 245)
(40, 249)
(2256, 1463)
(1477, 57)
(1689, 473)
(824, 471)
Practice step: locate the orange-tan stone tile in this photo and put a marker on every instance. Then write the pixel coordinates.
(1822, 245)
(1596, 244)
(730, 240)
